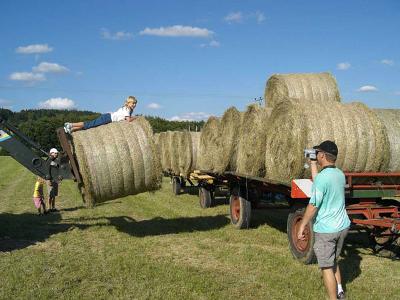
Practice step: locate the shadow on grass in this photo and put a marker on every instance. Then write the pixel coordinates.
(18, 231)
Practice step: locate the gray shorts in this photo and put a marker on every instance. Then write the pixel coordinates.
(327, 247)
(52, 189)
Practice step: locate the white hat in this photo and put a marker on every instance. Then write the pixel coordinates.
(53, 150)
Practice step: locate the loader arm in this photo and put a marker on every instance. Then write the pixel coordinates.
(32, 156)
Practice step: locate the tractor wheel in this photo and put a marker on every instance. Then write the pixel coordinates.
(176, 185)
(301, 250)
(206, 197)
(240, 210)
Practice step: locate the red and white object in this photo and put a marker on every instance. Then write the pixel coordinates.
(301, 188)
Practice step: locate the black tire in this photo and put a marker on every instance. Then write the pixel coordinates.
(206, 197)
(301, 250)
(240, 211)
(176, 185)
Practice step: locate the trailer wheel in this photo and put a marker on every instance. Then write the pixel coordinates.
(301, 250)
(206, 197)
(240, 210)
(176, 185)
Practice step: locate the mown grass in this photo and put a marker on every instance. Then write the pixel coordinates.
(158, 246)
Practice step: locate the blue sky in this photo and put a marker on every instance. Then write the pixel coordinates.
(192, 59)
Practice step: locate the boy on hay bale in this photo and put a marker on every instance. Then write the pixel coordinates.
(124, 113)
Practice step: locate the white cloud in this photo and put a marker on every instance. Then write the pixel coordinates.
(5, 103)
(27, 76)
(388, 62)
(34, 49)
(57, 103)
(213, 44)
(154, 106)
(191, 116)
(343, 66)
(46, 67)
(234, 17)
(367, 88)
(117, 36)
(260, 17)
(178, 31)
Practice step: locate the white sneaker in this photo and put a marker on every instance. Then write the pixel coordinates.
(68, 128)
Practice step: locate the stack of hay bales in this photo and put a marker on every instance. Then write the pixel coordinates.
(195, 137)
(252, 141)
(225, 159)
(296, 125)
(309, 87)
(391, 120)
(209, 144)
(184, 148)
(117, 160)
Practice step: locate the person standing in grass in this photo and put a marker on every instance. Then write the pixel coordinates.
(38, 196)
(52, 185)
(124, 113)
(331, 224)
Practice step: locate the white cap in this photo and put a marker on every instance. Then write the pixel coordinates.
(53, 150)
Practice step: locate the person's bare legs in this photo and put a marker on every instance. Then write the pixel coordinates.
(330, 282)
(77, 126)
(338, 275)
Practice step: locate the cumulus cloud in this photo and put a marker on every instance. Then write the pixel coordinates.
(234, 17)
(27, 76)
(46, 67)
(211, 44)
(178, 31)
(34, 49)
(343, 66)
(191, 116)
(367, 88)
(57, 103)
(154, 106)
(116, 36)
(387, 62)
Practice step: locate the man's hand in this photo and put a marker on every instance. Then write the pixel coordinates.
(300, 233)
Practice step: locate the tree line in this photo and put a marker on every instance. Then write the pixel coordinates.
(40, 124)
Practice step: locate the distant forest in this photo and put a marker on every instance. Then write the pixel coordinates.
(40, 124)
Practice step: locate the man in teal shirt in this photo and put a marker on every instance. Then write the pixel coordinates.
(331, 223)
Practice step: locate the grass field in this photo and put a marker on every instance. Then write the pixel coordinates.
(158, 246)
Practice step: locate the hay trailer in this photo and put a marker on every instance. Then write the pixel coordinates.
(368, 205)
(206, 185)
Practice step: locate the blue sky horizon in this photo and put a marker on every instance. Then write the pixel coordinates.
(192, 59)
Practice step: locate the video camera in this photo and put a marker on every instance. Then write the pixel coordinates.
(310, 153)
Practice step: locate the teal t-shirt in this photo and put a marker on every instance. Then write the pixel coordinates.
(328, 196)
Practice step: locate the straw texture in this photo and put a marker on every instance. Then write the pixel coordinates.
(295, 125)
(209, 144)
(391, 120)
(116, 160)
(310, 87)
(252, 140)
(195, 136)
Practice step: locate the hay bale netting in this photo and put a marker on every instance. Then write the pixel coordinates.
(295, 125)
(225, 159)
(391, 120)
(310, 87)
(209, 144)
(195, 137)
(117, 160)
(252, 140)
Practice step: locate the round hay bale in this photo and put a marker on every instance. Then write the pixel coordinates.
(226, 156)
(195, 137)
(295, 125)
(116, 160)
(184, 147)
(252, 139)
(310, 87)
(174, 151)
(391, 120)
(165, 147)
(209, 143)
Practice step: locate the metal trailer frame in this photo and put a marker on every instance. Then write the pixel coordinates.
(364, 205)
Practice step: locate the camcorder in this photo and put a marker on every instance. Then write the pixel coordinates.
(310, 153)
